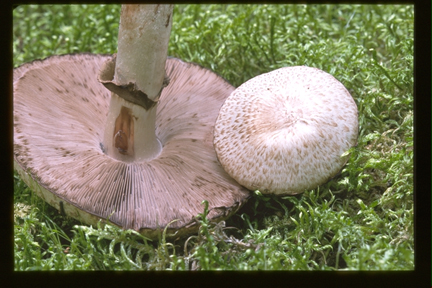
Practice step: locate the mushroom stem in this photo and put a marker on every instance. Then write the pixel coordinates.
(139, 77)
(130, 131)
(143, 47)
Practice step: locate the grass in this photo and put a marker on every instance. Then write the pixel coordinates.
(361, 220)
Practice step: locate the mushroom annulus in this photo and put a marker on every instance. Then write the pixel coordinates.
(126, 138)
(286, 131)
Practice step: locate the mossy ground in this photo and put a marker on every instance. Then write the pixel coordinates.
(361, 220)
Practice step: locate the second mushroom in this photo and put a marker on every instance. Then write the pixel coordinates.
(286, 131)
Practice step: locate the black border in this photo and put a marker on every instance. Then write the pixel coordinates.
(420, 277)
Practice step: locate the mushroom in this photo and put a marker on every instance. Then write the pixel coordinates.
(94, 155)
(287, 130)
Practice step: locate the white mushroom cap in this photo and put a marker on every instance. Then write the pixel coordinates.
(60, 110)
(284, 131)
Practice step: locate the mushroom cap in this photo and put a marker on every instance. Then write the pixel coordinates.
(284, 131)
(60, 110)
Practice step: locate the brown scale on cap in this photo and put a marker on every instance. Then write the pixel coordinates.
(284, 131)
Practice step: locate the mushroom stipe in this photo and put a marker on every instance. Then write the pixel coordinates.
(59, 114)
(285, 131)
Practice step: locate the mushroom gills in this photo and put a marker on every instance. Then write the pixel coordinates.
(59, 150)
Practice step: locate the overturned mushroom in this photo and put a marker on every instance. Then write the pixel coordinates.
(285, 131)
(89, 158)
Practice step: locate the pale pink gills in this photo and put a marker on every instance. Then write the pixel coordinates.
(285, 131)
(60, 110)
